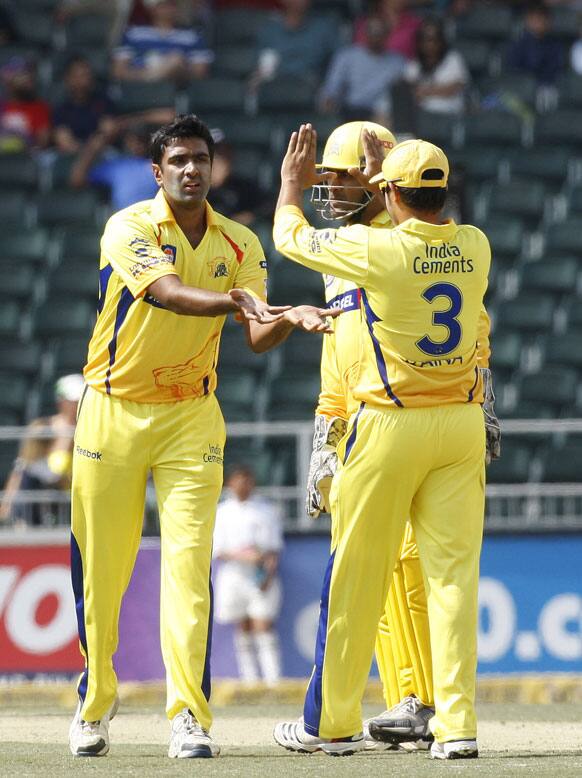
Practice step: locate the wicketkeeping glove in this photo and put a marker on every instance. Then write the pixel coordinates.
(492, 428)
(323, 463)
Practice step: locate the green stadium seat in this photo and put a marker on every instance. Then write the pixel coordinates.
(476, 164)
(13, 392)
(560, 128)
(234, 61)
(99, 58)
(63, 317)
(510, 87)
(75, 281)
(574, 313)
(513, 467)
(564, 464)
(529, 313)
(9, 318)
(517, 199)
(134, 96)
(34, 27)
(291, 284)
(565, 23)
(303, 350)
(564, 238)
(250, 164)
(570, 91)
(574, 198)
(11, 51)
(14, 209)
(238, 26)
(492, 128)
(80, 242)
(489, 23)
(18, 172)
(34, 249)
(286, 94)
(60, 170)
(20, 357)
(17, 280)
(293, 397)
(70, 353)
(437, 128)
(8, 418)
(477, 55)
(564, 349)
(559, 276)
(66, 206)
(237, 394)
(505, 352)
(89, 30)
(216, 94)
(506, 238)
(554, 386)
(548, 164)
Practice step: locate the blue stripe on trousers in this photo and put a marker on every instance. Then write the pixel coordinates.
(314, 697)
(206, 676)
(77, 581)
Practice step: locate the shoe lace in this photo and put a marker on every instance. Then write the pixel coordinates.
(90, 726)
(190, 726)
(409, 704)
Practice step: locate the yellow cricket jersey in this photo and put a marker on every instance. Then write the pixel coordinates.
(139, 350)
(419, 300)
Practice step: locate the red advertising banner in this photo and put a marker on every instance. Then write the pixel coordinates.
(38, 627)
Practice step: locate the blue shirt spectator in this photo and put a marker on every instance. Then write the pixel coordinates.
(162, 50)
(535, 51)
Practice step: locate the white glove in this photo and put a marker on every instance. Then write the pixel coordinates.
(323, 463)
(492, 427)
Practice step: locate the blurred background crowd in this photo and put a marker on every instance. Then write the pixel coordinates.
(497, 84)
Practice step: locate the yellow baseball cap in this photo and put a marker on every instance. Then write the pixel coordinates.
(407, 165)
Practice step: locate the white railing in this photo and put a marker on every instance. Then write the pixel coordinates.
(533, 506)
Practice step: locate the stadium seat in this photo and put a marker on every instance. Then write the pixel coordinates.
(509, 89)
(9, 318)
(293, 397)
(89, 30)
(79, 242)
(34, 27)
(234, 61)
(99, 58)
(548, 164)
(17, 280)
(75, 281)
(513, 466)
(303, 349)
(570, 91)
(66, 206)
(574, 308)
(492, 128)
(565, 23)
(234, 351)
(135, 96)
(560, 128)
(505, 353)
(60, 170)
(291, 284)
(477, 55)
(8, 449)
(506, 239)
(489, 23)
(563, 464)
(564, 238)
(238, 26)
(34, 249)
(574, 200)
(522, 200)
(286, 94)
(18, 172)
(14, 210)
(70, 353)
(559, 276)
(63, 317)
(554, 386)
(237, 394)
(564, 349)
(217, 94)
(20, 357)
(437, 128)
(13, 392)
(476, 164)
(528, 313)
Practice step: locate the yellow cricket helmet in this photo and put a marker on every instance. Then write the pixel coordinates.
(344, 150)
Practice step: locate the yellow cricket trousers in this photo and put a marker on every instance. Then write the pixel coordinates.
(403, 650)
(428, 464)
(117, 442)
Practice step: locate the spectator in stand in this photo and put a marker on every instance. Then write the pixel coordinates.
(44, 462)
(232, 195)
(25, 120)
(295, 43)
(536, 51)
(439, 75)
(80, 114)
(126, 173)
(360, 77)
(191, 13)
(162, 51)
(248, 539)
(401, 26)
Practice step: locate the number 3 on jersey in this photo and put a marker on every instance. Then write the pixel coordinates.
(446, 319)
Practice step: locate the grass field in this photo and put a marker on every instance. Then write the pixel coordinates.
(514, 740)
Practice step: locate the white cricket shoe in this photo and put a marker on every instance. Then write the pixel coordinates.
(292, 736)
(371, 744)
(455, 749)
(189, 740)
(407, 722)
(91, 738)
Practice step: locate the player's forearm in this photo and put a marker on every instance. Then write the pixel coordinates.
(190, 300)
(263, 337)
(291, 193)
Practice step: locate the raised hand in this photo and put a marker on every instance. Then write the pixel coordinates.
(310, 318)
(375, 152)
(254, 309)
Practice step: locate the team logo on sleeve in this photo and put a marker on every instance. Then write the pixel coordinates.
(218, 268)
(170, 251)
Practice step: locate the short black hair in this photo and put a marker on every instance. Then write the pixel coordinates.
(426, 199)
(183, 126)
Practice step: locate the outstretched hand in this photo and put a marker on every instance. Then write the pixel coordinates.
(253, 309)
(312, 319)
(375, 152)
(298, 165)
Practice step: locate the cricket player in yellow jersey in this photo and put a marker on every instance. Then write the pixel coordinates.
(171, 270)
(415, 448)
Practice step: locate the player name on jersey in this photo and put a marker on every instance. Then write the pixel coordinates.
(446, 258)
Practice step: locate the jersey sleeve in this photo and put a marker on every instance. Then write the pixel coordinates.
(332, 399)
(131, 247)
(342, 252)
(483, 346)
(252, 272)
